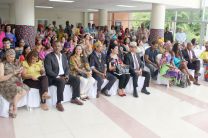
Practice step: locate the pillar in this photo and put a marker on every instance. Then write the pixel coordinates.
(25, 21)
(85, 19)
(157, 22)
(103, 17)
(91, 17)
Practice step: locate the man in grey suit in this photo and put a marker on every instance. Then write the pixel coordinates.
(57, 70)
(136, 67)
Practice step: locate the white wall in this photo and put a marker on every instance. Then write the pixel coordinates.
(60, 16)
(4, 13)
(182, 3)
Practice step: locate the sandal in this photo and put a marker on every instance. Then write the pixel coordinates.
(120, 93)
(12, 111)
(45, 96)
(191, 78)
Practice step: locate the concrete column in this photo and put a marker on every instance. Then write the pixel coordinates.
(131, 18)
(85, 19)
(91, 17)
(25, 21)
(103, 17)
(157, 21)
(110, 18)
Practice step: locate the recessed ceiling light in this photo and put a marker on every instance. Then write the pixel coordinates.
(126, 6)
(92, 9)
(44, 7)
(70, 1)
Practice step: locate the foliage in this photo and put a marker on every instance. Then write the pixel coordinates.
(187, 20)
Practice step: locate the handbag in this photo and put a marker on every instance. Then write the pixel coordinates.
(122, 69)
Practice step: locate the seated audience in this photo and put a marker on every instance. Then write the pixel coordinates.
(204, 57)
(204, 54)
(6, 46)
(2, 36)
(180, 62)
(167, 67)
(66, 50)
(25, 52)
(136, 69)
(19, 49)
(113, 62)
(87, 45)
(11, 86)
(99, 68)
(79, 67)
(57, 71)
(193, 61)
(10, 36)
(46, 49)
(34, 76)
(150, 59)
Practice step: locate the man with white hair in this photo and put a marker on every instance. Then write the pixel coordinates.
(136, 69)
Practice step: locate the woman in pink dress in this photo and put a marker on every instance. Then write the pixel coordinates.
(2, 36)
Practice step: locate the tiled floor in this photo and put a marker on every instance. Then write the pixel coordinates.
(165, 113)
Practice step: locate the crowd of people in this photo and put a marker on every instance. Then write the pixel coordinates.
(85, 57)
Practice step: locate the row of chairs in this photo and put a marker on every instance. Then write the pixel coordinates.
(32, 99)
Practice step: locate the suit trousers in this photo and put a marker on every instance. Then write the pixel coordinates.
(146, 80)
(41, 84)
(60, 84)
(111, 78)
(74, 82)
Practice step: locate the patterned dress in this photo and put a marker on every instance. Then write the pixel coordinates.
(12, 86)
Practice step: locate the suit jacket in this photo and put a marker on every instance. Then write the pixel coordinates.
(52, 66)
(94, 61)
(186, 55)
(128, 60)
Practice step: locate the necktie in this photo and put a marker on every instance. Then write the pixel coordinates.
(136, 64)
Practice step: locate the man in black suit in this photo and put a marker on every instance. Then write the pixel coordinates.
(136, 69)
(99, 68)
(193, 61)
(168, 36)
(57, 70)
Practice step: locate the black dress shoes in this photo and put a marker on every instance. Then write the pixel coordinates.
(135, 94)
(145, 91)
(105, 92)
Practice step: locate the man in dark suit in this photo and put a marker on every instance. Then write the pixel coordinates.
(168, 36)
(136, 69)
(99, 68)
(193, 61)
(57, 70)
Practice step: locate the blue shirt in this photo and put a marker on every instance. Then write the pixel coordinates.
(152, 54)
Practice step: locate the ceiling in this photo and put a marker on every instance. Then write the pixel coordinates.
(83, 5)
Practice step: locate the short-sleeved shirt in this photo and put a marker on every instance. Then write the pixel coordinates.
(34, 69)
(152, 54)
(204, 55)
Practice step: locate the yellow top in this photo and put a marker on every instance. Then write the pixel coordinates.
(204, 55)
(34, 69)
